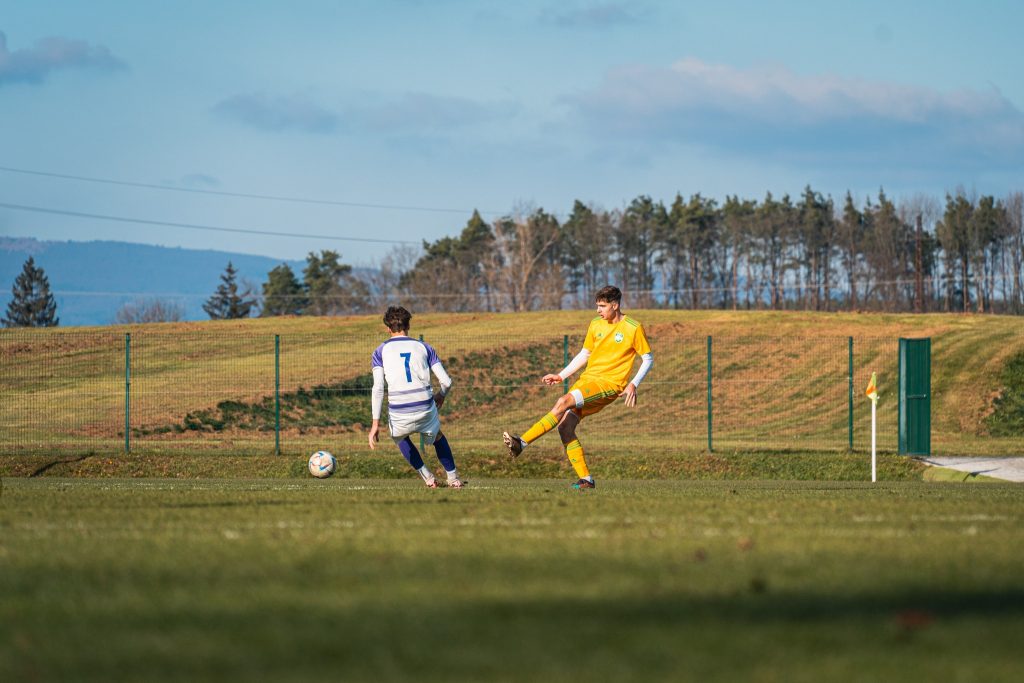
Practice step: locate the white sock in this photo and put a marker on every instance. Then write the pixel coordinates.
(453, 475)
(589, 478)
(426, 473)
(524, 444)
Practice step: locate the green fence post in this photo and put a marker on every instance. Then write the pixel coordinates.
(710, 449)
(127, 392)
(565, 362)
(277, 394)
(849, 374)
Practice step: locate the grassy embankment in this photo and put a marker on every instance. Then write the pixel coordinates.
(780, 389)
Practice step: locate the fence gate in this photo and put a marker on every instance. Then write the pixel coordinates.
(915, 401)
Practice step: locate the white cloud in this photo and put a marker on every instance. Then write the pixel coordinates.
(278, 113)
(771, 108)
(411, 113)
(418, 111)
(33, 65)
(596, 14)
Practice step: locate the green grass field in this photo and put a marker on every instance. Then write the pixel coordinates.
(108, 579)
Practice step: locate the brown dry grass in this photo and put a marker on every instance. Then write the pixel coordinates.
(780, 379)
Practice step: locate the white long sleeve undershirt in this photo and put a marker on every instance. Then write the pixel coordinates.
(377, 395)
(646, 361)
(442, 377)
(575, 364)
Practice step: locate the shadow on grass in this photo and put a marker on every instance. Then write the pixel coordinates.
(66, 461)
(743, 636)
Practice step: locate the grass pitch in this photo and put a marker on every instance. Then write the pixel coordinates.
(288, 580)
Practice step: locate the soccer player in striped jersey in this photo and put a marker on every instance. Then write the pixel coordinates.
(613, 341)
(405, 364)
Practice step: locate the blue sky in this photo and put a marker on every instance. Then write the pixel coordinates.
(454, 105)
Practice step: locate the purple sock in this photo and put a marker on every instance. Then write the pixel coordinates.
(444, 453)
(411, 454)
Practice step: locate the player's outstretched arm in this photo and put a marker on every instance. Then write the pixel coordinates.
(575, 364)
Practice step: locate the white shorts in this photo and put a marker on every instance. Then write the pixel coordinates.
(427, 423)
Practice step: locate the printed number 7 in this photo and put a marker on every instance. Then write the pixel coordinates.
(408, 372)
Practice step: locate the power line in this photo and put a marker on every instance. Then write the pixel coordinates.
(243, 195)
(191, 226)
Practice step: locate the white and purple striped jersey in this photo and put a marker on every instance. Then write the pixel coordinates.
(405, 364)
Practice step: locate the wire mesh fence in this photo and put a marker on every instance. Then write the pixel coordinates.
(255, 393)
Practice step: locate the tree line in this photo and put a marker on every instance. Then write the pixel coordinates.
(913, 255)
(963, 254)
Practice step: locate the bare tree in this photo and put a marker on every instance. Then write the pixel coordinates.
(383, 282)
(149, 311)
(921, 210)
(524, 260)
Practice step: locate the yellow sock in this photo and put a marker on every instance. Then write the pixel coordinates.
(542, 427)
(574, 450)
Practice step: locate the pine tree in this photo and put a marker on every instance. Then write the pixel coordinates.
(332, 288)
(227, 302)
(32, 304)
(283, 294)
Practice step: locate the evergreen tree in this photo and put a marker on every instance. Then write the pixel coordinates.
(332, 288)
(455, 264)
(953, 232)
(227, 302)
(585, 238)
(32, 304)
(283, 294)
(851, 245)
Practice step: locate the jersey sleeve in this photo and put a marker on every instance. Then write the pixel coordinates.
(377, 359)
(377, 394)
(432, 358)
(640, 344)
(588, 343)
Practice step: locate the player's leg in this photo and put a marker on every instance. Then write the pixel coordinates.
(447, 460)
(516, 444)
(574, 449)
(412, 456)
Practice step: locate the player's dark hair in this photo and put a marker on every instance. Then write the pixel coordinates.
(397, 319)
(609, 294)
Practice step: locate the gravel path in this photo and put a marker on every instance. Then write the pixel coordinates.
(1010, 469)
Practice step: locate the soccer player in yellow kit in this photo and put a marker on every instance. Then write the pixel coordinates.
(613, 340)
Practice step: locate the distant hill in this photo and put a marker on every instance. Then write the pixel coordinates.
(92, 280)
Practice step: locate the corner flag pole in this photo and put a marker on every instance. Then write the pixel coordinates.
(874, 468)
(872, 393)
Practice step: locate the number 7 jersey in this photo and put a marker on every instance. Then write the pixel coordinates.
(406, 364)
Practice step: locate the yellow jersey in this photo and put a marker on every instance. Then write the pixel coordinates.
(612, 348)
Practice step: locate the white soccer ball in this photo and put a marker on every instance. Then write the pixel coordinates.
(322, 464)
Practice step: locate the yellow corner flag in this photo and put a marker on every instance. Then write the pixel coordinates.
(872, 390)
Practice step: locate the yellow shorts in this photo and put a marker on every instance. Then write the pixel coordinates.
(592, 395)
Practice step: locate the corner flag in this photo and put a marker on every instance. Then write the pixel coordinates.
(872, 390)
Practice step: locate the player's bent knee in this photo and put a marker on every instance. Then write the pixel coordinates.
(565, 403)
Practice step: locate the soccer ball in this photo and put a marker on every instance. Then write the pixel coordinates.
(322, 464)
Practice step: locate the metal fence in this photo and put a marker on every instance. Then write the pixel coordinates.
(235, 391)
